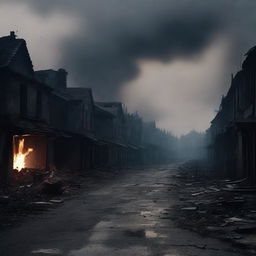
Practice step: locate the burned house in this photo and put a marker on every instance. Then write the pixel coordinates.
(44, 124)
(232, 131)
(116, 108)
(71, 111)
(101, 116)
(104, 130)
(117, 147)
(80, 121)
(24, 110)
(134, 131)
(120, 135)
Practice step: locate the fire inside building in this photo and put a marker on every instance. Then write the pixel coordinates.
(232, 135)
(47, 125)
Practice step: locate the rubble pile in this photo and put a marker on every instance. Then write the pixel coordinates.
(219, 208)
(32, 191)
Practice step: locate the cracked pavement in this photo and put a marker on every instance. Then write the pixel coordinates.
(129, 215)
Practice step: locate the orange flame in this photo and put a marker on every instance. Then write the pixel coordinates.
(20, 157)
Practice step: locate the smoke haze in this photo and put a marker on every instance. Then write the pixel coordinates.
(169, 59)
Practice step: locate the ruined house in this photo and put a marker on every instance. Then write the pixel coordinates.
(118, 148)
(232, 132)
(72, 111)
(36, 128)
(24, 110)
(102, 116)
(104, 130)
(80, 120)
(134, 131)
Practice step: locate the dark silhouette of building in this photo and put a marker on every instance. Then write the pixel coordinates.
(232, 135)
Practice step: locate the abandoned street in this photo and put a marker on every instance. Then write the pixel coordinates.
(130, 215)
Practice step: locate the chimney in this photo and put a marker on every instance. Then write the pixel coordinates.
(12, 34)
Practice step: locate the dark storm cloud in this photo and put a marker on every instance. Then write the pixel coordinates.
(118, 34)
(114, 34)
(110, 60)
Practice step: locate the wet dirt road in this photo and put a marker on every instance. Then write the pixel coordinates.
(130, 215)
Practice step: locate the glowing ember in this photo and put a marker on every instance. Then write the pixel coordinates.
(19, 158)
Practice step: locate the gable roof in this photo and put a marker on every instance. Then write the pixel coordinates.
(14, 55)
(9, 47)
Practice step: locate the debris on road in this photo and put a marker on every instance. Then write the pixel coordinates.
(33, 191)
(219, 208)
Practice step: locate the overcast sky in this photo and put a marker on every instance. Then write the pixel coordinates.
(171, 60)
